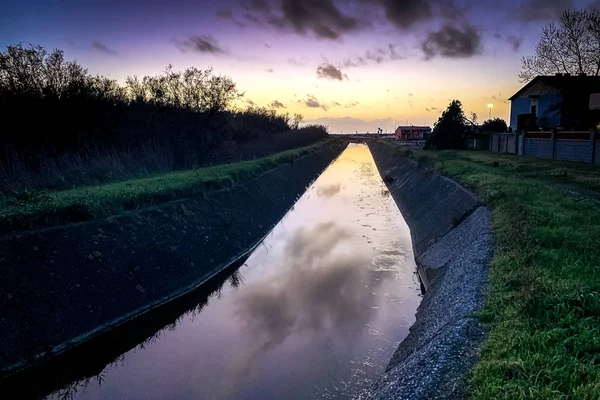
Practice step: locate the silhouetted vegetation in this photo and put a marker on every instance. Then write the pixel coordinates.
(451, 130)
(572, 47)
(66, 127)
(497, 125)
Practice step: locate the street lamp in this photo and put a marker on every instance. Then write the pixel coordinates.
(490, 106)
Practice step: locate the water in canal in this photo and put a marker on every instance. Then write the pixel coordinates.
(316, 311)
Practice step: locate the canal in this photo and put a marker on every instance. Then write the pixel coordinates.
(315, 312)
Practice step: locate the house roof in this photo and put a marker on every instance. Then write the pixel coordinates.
(557, 84)
(422, 128)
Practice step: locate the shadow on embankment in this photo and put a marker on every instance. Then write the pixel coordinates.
(72, 370)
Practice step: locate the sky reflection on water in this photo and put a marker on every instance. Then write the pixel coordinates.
(316, 312)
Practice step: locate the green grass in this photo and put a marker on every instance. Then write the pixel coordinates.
(32, 210)
(544, 294)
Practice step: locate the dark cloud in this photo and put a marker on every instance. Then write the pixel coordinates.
(331, 72)
(250, 102)
(225, 13)
(276, 104)
(377, 55)
(267, 46)
(594, 5)
(96, 45)
(200, 44)
(312, 102)
(409, 94)
(515, 42)
(258, 5)
(408, 13)
(452, 41)
(270, 70)
(542, 10)
(427, 109)
(331, 19)
(319, 18)
(293, 61)
(434, 108)
(352, 104)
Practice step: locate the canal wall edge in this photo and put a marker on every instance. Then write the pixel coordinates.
(452, 243)
(84, 279)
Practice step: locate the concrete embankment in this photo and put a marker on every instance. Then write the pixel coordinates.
(64, 285)
(452, 242)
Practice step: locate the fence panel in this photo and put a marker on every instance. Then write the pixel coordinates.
(580, 146)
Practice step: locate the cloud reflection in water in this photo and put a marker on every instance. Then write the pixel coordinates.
(322, 287)
(329, 190)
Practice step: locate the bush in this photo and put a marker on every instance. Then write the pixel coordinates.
(496, 125)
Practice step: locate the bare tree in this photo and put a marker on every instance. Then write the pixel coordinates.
(193, 89)
(572, 46)
(594, 35)
(296, 121)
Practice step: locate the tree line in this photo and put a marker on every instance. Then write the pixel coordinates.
(53, 107)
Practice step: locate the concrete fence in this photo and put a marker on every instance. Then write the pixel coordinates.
(503, 142)
(580, 146)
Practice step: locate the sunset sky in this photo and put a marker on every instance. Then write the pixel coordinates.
(354, 65)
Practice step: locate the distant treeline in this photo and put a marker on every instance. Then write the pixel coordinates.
(54, 109)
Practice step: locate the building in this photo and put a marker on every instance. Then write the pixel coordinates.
(412, 132)
(560, 101)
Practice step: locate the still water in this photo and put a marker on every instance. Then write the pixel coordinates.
(316, 311)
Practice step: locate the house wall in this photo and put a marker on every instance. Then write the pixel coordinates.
(518, 106)
(549, 110)
(411, 134)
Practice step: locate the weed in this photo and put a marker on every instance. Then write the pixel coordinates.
(32, 210)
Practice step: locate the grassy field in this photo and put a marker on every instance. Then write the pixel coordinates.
(37, 209)
(544, 296)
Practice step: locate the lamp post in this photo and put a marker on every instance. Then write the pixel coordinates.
(490, 106)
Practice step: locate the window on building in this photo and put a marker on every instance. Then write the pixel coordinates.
(534, 110)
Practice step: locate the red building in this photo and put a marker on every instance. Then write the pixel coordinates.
(412, 132)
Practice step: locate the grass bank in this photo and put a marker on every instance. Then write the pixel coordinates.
(39, 209)
(544, 294)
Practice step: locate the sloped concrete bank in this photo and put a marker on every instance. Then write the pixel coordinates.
(62, 286)
(452, 242)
